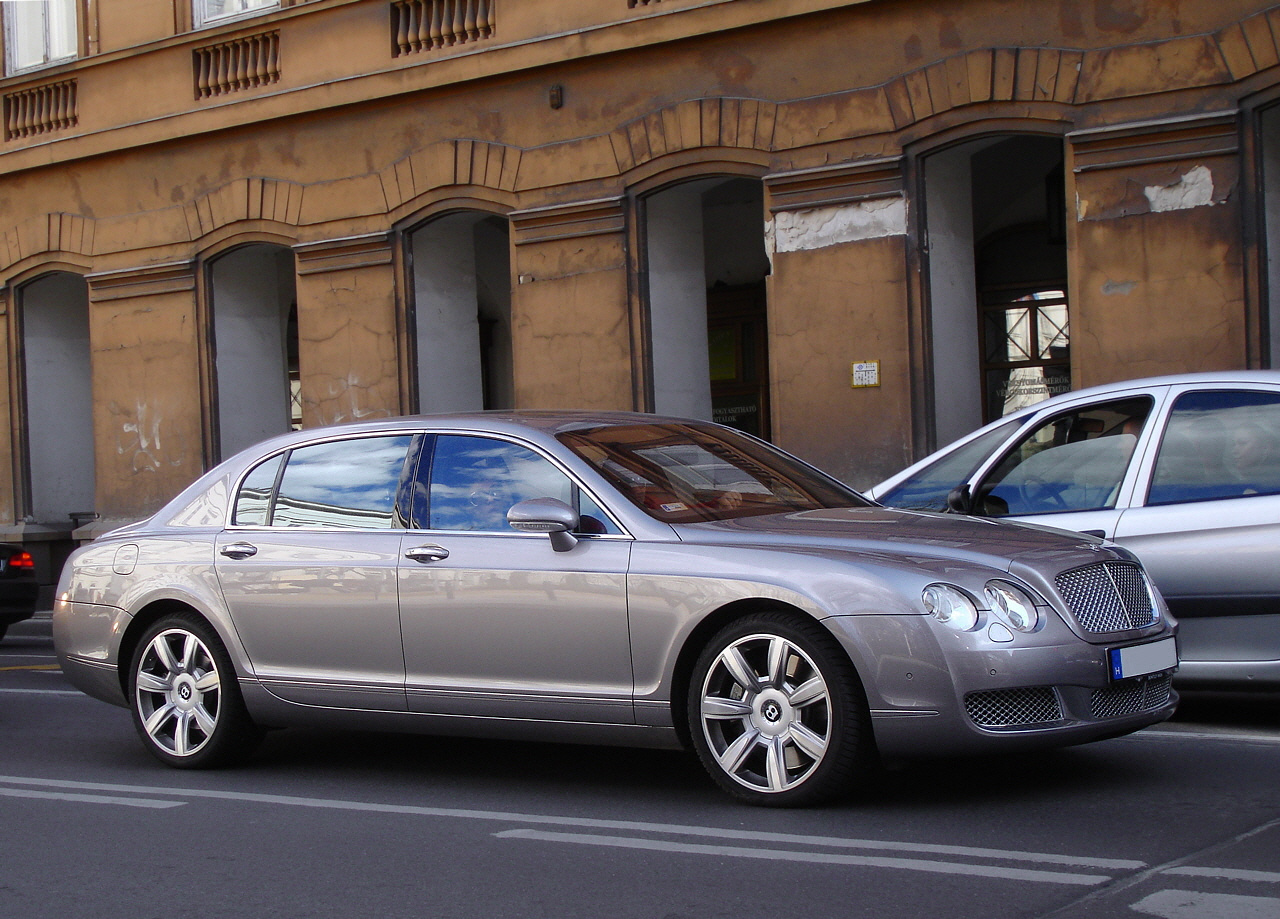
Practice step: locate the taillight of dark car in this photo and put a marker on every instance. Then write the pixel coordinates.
(21, 561)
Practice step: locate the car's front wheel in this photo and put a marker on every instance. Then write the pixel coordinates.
(776, 712)
(184, 696)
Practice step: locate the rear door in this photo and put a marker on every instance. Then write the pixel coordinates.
(308, 570)
(1207, 526)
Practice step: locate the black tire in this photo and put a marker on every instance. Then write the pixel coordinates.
(4, 627)
(777, 714)
(185, 698)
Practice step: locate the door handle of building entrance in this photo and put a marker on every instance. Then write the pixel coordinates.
(426, 554)
(239, 550)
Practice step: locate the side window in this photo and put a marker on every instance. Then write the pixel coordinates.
(343, 484)
(253, 501)
(1072, 462)
(1219, 444)
(476, 480)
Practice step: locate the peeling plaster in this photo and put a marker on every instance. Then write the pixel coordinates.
(1194, 189)
(820, 227)
(1119, 287)
(141, 440)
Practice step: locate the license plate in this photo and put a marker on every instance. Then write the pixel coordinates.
(1139, 660)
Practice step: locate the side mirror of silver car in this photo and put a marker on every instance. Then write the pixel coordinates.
(546, 515)
(959, 500)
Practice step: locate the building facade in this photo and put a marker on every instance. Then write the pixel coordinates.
(858, 229)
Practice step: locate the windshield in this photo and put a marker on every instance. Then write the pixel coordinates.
(685, 473)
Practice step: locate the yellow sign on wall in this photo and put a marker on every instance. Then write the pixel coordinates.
(865, 373)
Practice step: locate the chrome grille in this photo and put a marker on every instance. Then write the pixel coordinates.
(1010, 707)
(1108, 596)
(1131, 696)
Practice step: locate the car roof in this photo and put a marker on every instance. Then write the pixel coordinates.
(1213, 378)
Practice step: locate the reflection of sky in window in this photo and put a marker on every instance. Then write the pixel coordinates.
(475, 481)
(253, 501)
(345, 483)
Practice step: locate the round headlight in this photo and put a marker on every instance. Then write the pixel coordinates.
(951, 606)
(1013, 605)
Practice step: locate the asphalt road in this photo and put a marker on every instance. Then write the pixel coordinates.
(1180, 821)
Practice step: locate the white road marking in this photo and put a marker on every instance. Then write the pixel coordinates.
(826, 858)
(1192, 904)
(587, 823)
(1230, 874)
(89, 799)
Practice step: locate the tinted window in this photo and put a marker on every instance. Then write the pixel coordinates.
(347, 484)
(1219, 445)
(476, 480)
(683, 473)
(1072, 462)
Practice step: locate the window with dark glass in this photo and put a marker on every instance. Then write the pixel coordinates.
(1075, 461)
(1219, 444)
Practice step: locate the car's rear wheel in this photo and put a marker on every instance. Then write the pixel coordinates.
(185, 699)
(776, 712)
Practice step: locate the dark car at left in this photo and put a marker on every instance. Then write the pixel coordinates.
(19, 590)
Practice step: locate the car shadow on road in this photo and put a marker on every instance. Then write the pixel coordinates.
(474, 767)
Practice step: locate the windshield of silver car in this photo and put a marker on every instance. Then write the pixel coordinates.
(684, 473)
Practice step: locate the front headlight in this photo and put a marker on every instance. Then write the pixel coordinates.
(951, 606)
(1013, 605)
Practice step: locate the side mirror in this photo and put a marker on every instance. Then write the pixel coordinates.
(546, 515)
(959, 501)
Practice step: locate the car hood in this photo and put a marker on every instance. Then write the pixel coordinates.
(903, 535)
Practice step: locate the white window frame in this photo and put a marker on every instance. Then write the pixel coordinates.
(241, 9)
(70, 9)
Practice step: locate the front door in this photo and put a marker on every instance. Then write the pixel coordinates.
(497, 623)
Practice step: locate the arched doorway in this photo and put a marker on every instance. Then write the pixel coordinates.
(255, 345)
(58, 401)
(707, 307)
(461, 279)
(997, 273)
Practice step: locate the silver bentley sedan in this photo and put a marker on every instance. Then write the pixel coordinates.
(604, 578)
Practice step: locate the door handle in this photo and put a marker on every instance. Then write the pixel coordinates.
(239, 550)
(426, 554)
